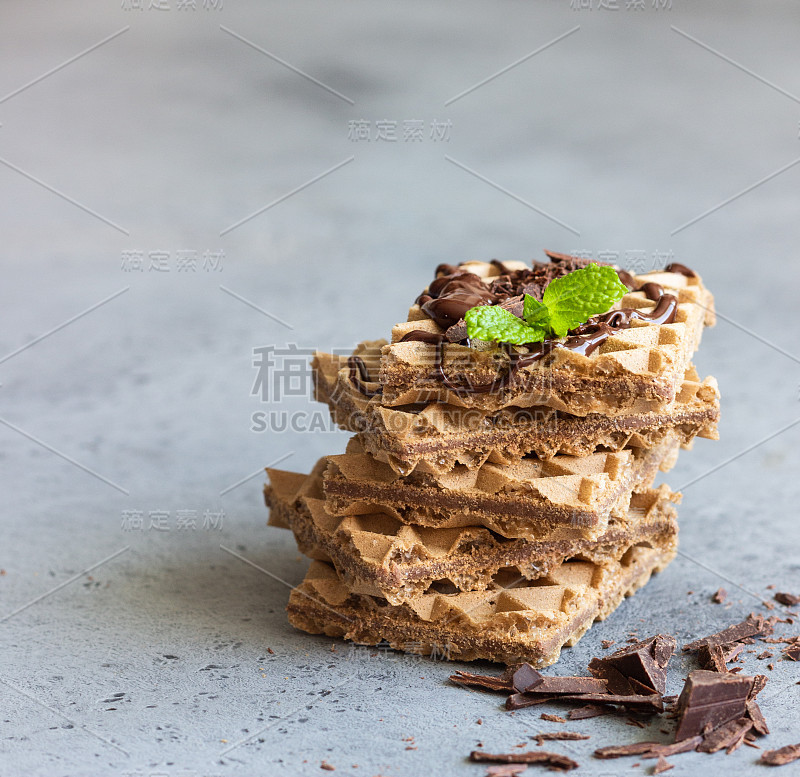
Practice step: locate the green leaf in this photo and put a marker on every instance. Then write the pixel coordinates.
(535, 312)
(575, 298)
(491, 322)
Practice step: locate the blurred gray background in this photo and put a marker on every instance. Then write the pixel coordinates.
(141, 621)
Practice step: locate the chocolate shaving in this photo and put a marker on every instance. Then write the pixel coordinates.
(518, 701)
(554, 761)
(757, 717)
(720, 596)
(552, 718)
(662, 765)
(788, 599)
(526, 678)
(725, 736)
(753, 626)
(792, 652)
(588, 711)
(506, 770)
(558, 735)
(642, 703)
(649, 749)
(782, 756)
(484, 681)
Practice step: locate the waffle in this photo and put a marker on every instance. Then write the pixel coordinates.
(378, 555)
(638, 369)
(444, 435)
(527, 500)
(530, 622)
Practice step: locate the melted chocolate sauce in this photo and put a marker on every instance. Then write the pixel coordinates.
(455, 291)
(584, 339)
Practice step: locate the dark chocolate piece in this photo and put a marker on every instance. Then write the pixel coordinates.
(782, 756)
(788, 599)
(555, 761)
(526, 678)
(570, 685)
(709, 700)
(712, 658)
(753, 626)
(638, 668)
(720, 596)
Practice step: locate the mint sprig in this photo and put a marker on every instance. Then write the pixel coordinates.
(566, 303)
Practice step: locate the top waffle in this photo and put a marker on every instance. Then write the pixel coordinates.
(637, 369)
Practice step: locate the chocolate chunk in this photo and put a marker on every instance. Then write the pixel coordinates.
(558, 735)
(709, 700)
(720, 596)
(571, 685)
(551, 687)
(485, 681)
(753, 626)
(526, 678)
(712, 658)
(588, 711)
(755, 715)
(788, 599)
(725, 736)
(639, 668)
(759, 683)
(782, 756)
(555, 761)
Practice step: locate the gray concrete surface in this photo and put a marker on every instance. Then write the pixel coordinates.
(153, 650)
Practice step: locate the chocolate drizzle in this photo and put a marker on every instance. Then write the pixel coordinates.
(356, 365)
(455, 291)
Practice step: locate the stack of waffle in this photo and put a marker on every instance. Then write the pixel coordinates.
(492, 508)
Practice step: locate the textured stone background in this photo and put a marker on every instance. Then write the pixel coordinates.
(148, 652)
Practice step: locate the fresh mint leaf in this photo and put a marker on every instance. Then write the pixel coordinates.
(573, 299)
(535, 313)
(491, 322)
